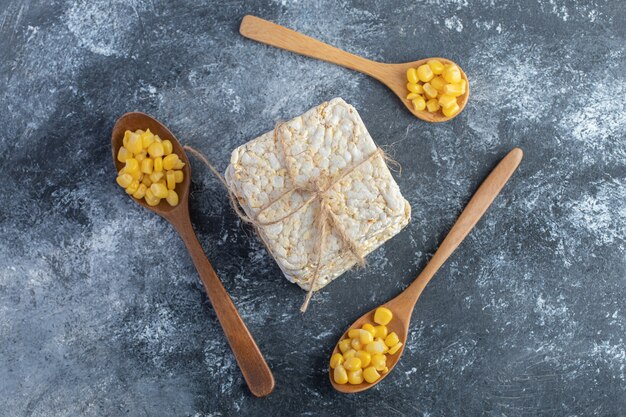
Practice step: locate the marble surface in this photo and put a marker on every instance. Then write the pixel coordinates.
(101, 310)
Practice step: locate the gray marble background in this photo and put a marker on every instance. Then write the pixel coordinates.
(101, 310)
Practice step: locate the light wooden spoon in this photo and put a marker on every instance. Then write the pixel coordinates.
(392, 75)
(402, 305)
(250, 359)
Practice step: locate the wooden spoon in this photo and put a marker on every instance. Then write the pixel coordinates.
(402, 305)
(250, 359)
(392, 75)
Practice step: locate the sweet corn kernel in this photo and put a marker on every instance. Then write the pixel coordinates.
(146, 181)
(344, 345)
(369, 328)
(352, 333)
(370, 375)
(179, 176)
(158, 164)
(131, 165)
(411, 76)
(395, 348)
(452, 110)
(436, 66)
(156, 150)
(463, 85)
(167, 147)
(382, 342)
(340, 376)
(335, 360)
(172, 198)
(147, 165)
(365, 357)
(147, 138)
(380, 331)
(141, 155)
(123, 154)
(438, 82)
(157, 138)
(151, 199)
(415, 88)
(430, 91)
(141, 192)
(124, 180)
(365, 337)
(392, 339)
(169, 162)
(424, 73)
(159, 190)
(419, 103)
(452, 74)
(350, 353)
(179, 164)
(385, 370)
(383, 316)
(432, 105)
(352, 364)
(126, 136)
(134, 143)
(411, 96)
(355, 377)
(133, 187)
(170, 180)
(379, 361)
(156, 176)
(453, 90)
(356, 344)
(376, 346)
(447, 101)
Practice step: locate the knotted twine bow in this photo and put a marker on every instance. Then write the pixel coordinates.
(319, 187)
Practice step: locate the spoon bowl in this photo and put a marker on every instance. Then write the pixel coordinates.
(402, 305)
(255, 370)
(392, 75)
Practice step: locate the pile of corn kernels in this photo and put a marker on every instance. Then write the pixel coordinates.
(152, 170)
(435, 86)
(364, 352)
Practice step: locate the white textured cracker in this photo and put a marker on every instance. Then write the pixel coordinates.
(324, 141)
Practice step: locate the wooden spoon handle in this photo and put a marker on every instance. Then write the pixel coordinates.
(474, 210)
(279, 36)
(250, 359)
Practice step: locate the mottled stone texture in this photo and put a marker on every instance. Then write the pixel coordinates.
(102, 313)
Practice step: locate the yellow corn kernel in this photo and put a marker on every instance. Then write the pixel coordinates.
(365, 357)
(169, 162)
(411, 96)
(131, 165)
(167, 147)
(156, 176)
(432, 105)
(123, 154)
(151, 199)
(179, 176)
(380, 331)
(411, 75)
(392, 339)
(124, 180)
(377, 346)
(134, 143)
(436, 66)
(395, 348)
(350, 353)
(383, 316)
(141, 155)
(147, 138)
(415, 88)
(157, 138)
(340, 376)
(365, 337)
(438, 82)
(146, 180)
(452, 110)
(370, 375)
(379, 361)
(146, 166)
(158, 164)
(356, 344)
(172, 198)
(179, 164)
(141, 192)
(452, 74)
(170, 180)
(352, 364)
(430, 91)
(159, 190)
(126, 136)
(156, 149)
(344, 345)
(133, 187)
(355, 377)
(369, 328)
(335, 360)
(352, 333)
(424, 73)
(419, 103)
(453, 90)
(447, 101)
(463, 85)
(385, 370)
(382, 341)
